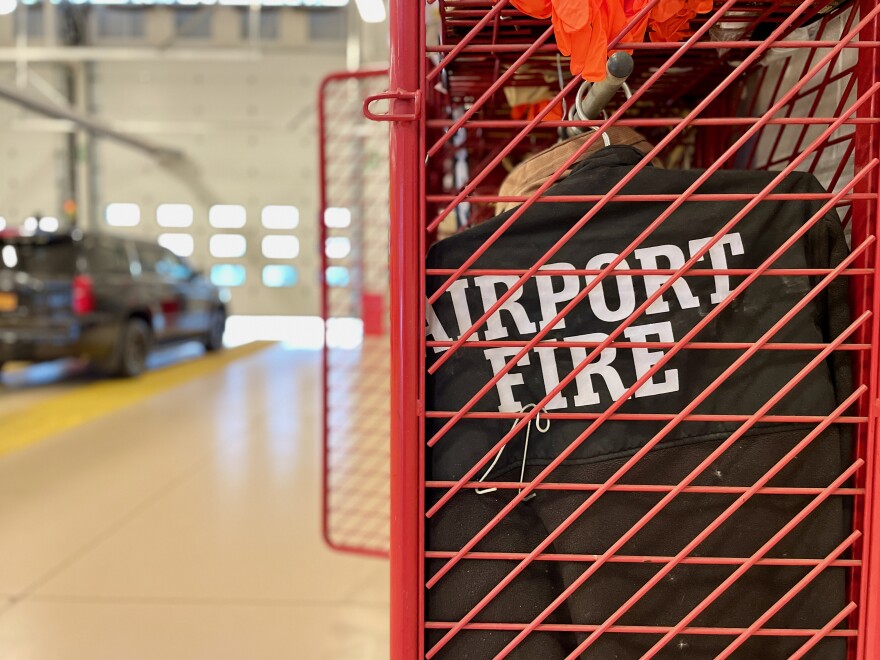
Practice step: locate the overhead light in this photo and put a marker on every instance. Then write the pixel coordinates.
(31, 224)
(7, 6)
(371, 11)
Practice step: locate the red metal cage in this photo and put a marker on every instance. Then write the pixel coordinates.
(766, 85)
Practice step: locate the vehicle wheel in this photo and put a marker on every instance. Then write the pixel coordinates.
(216, 330)
(134, 347)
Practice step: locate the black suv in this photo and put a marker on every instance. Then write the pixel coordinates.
(101, 297)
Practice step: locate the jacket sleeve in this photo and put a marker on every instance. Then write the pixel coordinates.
(827, 248)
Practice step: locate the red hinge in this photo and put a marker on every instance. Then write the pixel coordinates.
(413, 97)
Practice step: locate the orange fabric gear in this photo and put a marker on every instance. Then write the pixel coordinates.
(583, 28)
(529, 111)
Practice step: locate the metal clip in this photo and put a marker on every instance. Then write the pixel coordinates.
(399, 95)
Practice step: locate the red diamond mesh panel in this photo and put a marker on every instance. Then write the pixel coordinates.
(354, 214)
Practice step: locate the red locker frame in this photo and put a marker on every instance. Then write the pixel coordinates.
(483, 47)
(353, 174)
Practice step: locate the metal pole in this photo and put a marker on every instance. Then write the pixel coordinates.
(84, 164)
(407, 335)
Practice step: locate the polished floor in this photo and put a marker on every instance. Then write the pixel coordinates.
(183, 526)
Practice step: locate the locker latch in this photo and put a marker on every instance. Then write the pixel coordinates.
(411, 97)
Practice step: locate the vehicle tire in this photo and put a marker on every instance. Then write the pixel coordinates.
(214, 338)
(134, 347)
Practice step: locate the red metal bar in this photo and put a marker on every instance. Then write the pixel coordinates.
(648, 417)
(652, 559)
(636, 488)
(721, 197)
(866, 583)
(660, 46)
(645, 630)
(702, 272)
(407, 21)
(654, 122)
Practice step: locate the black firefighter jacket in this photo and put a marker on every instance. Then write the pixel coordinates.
(680, 381)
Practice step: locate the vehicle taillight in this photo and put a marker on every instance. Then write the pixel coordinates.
(83, 295)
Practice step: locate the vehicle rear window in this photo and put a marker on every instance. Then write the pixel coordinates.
(54, 258)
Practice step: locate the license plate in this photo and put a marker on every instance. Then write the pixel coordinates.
(8, 302)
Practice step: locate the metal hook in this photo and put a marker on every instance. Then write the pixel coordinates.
(522, 474)
(574, 130)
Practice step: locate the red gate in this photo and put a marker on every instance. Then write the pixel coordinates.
(621, 549)
(354, 252)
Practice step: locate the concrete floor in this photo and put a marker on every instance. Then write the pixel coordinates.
(186, 526)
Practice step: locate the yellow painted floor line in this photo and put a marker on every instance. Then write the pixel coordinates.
(67, 410)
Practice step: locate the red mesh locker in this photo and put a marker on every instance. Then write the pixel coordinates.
(354, 249)
(779, 86)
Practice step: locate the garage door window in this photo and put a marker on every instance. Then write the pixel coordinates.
(280, 247)
(337, 217)
(280, 217)
(227, 216)
(123, 215)
(277, 276)
(228, 246)
(174, 215)
(338, 276)
(228, 275)
(182, 245)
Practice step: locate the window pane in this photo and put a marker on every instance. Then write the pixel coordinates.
(228, 246)
(228, 275)
(280, 217)
(337, 218)
(327, 25)
(193, 22)
(268, 23)
(54, 258)
(338, 276)
(227, 216)
(338, 247)
(182, 245)
(113, 23)
(279, 276)
(174, 215)
(108, 257)
(280, 247)
(123, 215)
(171, 266)
(149, 257)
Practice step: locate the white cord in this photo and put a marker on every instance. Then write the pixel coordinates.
(562, 132)
(522, 473)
